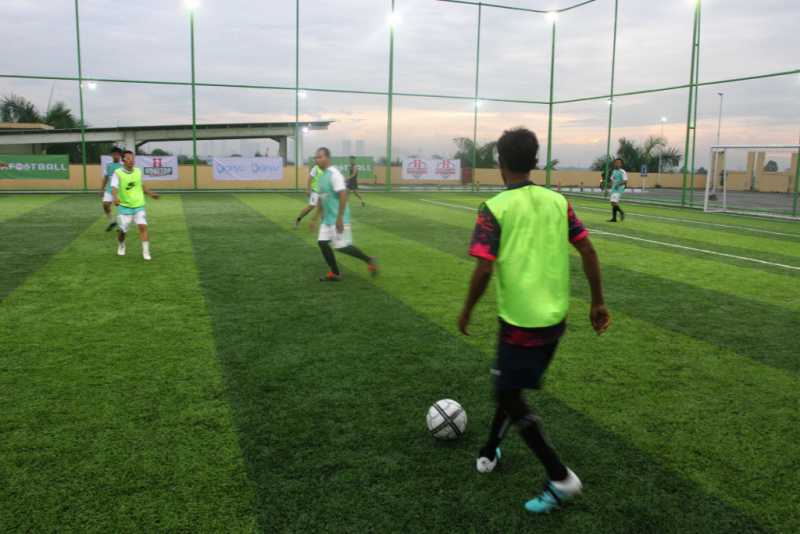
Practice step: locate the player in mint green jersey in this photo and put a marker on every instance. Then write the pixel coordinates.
(619, 181)
(523, 236)
(313, 194)
(335, 229)
(128, 192)
(108, 199)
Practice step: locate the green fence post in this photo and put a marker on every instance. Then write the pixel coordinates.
(297, 95)
(389, 107)
(796, 184)
(548, 169)
(194, 101)
(692, 102)
(696, 96)
(475, 103)
(80, 95)
(611, 93)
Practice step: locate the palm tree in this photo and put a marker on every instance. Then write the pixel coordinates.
(15, 108)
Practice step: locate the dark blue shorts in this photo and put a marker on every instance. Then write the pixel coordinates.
(521, 367)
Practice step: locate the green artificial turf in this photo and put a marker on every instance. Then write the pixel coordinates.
(221, 387)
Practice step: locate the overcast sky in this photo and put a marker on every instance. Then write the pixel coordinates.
(344, 45)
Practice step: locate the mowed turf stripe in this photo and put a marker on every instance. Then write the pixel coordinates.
(114, 416)
(702, 272)
(28, 241)
(627, 490)
(768, 261)
(728, 322)
(15, 205)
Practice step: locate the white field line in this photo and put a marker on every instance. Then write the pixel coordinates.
(703, 223)
(651, 241)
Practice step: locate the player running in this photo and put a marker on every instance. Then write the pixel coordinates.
(619, 181)
(524, 233)
(108, 199)
(352, 181)
(312, 188)
(335, 228)
(128, 192)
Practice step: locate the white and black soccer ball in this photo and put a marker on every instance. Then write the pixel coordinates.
(446, 419)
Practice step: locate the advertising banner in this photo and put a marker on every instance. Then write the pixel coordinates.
(365, 164)
(153, 167)
(248, 169)
(34, 167)
(431, 169)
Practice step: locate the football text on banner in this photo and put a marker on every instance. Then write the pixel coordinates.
(431, 169)
(34, 167)
(365, 164)
(153, 167)
(248, 169)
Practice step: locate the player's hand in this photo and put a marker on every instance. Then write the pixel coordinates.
(600, 318)
(154, 196)
(312, 225)
(116, 202)
(339, 225)
(463, 322)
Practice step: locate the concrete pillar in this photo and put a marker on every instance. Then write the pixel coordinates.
(283, 150)
(759, 168)
(129, 141)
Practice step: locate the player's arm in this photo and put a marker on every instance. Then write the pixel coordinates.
(149, 192)
(477, 287)
(598, 314)
(308, 184)
(484, 247)
(342, 205)
(115, 190)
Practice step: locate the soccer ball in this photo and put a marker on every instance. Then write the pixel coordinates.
(446, 419)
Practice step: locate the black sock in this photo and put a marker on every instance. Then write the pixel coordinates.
(621, 213)
(500, 423)
(614, 209)
(356, 253)
(531, 432)
(330, 258)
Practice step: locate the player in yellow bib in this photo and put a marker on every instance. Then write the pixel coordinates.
(128, 192)
(524, 234)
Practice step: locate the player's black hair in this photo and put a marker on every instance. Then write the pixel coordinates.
(517, 149)
(620, 160)
(325, 151)
(127, 152)
(116, 149)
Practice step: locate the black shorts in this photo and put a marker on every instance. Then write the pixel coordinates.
(352, 184)
(521, 367)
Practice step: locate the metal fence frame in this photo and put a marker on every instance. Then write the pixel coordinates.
(692, 85)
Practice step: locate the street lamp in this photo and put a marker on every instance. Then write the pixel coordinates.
(191, 4)
(552, 17)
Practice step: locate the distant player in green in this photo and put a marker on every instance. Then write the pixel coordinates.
(128, 192)
(312, 188)
(116, 156)
(352, 180)
(524, 233)
(619, 181)
(335, 229)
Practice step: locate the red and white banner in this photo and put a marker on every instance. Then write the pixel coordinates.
(153, 167)
(431, 169)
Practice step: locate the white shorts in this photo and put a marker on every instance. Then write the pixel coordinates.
(615, 197)
(124, 221)
(107, 197)
(327, 232)
(313, 199)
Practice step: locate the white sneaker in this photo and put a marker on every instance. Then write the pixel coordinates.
(146, 256)
(485, 465)
(121, 249)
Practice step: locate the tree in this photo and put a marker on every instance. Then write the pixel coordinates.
(771, 166)
(484, 155)
(648, 153)
(15, 108)
(159, 152)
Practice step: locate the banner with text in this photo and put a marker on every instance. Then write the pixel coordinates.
(153, 167)
(365, 164)
(34, 167)
(246, 169)
(431, 169)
